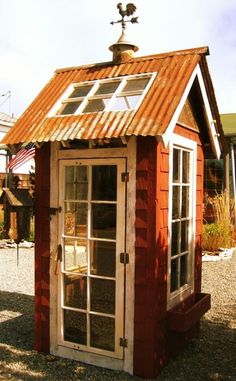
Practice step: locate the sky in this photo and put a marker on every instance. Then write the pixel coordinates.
(39, 36)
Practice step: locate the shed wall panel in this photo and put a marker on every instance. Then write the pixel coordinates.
(42, 248)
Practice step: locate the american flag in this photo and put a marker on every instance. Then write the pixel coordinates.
(25, 154)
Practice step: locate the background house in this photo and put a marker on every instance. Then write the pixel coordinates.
(6, 123)
(16, 203)
(229, 127)
(219, 175)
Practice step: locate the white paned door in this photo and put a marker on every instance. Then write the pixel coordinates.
(92, 237)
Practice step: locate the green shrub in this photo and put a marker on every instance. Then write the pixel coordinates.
(216, 235)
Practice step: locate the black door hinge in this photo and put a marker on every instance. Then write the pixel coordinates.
(123, 342)
(125, 177)
(124, 258)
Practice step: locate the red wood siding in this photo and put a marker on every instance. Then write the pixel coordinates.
(42, 248)
(144, 336)
(153, 343)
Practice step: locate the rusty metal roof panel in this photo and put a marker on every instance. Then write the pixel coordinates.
(173, 70)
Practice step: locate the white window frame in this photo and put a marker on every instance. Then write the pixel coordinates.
(112, 97)
(179, 142)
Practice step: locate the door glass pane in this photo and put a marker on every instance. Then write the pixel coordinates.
(183, 270)
(102, 332)
(75, 255)
(104, 182)
(81, 183)
(69, 183)
(104, 221)
(76, 183)
(75, 327)
(102, 295)
(75, 291)
(75, 219)
(103, 258)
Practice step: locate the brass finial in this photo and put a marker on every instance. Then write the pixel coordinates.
(126, 12)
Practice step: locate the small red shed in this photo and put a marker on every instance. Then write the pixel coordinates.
(119, 198)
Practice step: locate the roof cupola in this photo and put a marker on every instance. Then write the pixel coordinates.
(123, 50)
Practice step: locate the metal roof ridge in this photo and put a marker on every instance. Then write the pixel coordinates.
(199, 50)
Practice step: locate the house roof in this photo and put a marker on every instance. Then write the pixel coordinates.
(229, 124)
(5, 118)
(160, 108)
(17, 197)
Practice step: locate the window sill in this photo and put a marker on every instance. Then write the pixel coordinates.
(183, 318)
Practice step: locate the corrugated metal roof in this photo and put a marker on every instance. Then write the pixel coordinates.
(173, 69)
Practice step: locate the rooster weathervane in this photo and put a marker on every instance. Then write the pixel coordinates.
(126, 12)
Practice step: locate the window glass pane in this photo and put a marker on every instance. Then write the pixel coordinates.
(175, 238)
(107, 88)
(95, 105)
(69, 108)
(102, 295)
(184, 236)
(103, 258)
(75, 219)
(81, 91)
(176, 165)
(102, 333)
(104, 221)
(132, 100)
(186, 169)
(185, 202)
(174, 275)
(75, 327)
(104, 180)
(120, 104)
(136, 84)
(75, 291)
(176, 202)
(75, 255)
(183, 270)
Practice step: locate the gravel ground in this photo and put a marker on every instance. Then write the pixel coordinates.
(211, 357)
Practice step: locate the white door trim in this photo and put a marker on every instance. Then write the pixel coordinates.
(129, 153)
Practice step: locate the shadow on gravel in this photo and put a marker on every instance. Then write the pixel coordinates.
(19, 360)
(211, 357)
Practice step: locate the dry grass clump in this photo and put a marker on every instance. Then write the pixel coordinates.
(219, 233)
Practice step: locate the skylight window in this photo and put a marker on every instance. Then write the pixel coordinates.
(119, 94)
